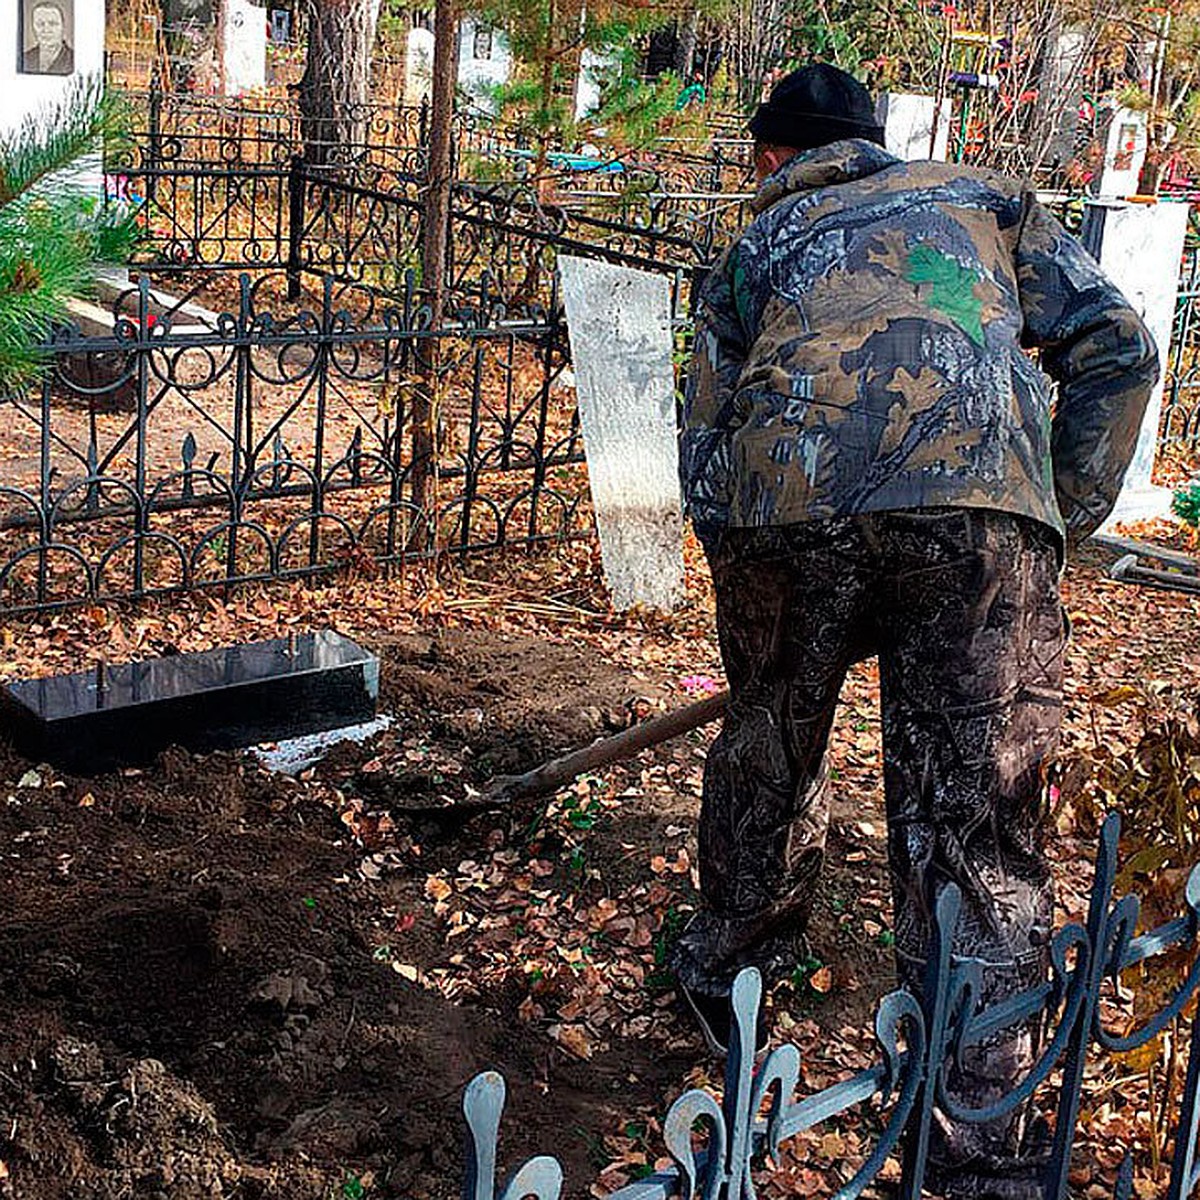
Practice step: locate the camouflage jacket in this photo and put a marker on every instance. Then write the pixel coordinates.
(859, 349)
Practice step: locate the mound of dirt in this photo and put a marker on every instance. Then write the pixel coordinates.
(194, 1005)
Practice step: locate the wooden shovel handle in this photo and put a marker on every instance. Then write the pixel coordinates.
(558, 772)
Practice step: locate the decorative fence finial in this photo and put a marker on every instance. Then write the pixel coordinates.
(483, 1104)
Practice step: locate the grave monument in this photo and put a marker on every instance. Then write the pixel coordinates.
(244, 33)
(418, 66)
(909, 125)
(1124, 154)
(1140, 248)
(484, 61)
(45, 45)
(619, 321)
(224, 698)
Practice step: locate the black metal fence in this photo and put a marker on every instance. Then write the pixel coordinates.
(310, 220)
(173, 456)
(501, 252)
(715, 1144)
(185, 129)
(1180, 422)
(225, 186)
(182, 129)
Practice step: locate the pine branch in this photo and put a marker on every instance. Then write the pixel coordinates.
(53, 235)
(56, 136)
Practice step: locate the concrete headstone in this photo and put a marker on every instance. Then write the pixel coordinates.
(245, 47)
(1060, 92)
(484, 61)
(592, 68)
(418, 66)
(33, 75)
(1124, 153)
(1140, 248)
(619, 322)
(908, 125)
(37, 75)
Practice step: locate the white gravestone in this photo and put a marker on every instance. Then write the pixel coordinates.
(592, 68)
(1140, 248)
(418, 66)
(1060, 92)
(1124, 153)
(484, 61)
(35, 77)
(907, 122)
(245, 46)
(31, 81)
(619, 321)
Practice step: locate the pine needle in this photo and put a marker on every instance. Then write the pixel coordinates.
(53, 234)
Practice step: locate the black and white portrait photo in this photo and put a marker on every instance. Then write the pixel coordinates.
(47, 37)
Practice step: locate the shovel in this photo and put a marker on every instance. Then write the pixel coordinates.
(558, 772)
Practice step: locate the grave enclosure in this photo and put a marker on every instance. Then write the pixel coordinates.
(277, 440)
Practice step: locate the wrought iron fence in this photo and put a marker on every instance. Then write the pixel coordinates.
(185, 129)
(192, 130)
(501, 252)
(173, 456)
(1180, 422)
(369, 230)
(225, 185)
(714, 1144)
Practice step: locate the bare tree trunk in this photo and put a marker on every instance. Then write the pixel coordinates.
(1157, 134)
(761, 44)
(336, 86)
(547, 99)
(439, 173)
(1153, 167)
(438, 195)
(685, 47)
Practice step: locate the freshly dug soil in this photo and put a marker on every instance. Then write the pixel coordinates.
(191, 1003)
(198, 998)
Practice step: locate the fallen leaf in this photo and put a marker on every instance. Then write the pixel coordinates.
(821, 980)
(602, 912)
(437, 888)
(833, 1145)
(572, 1039)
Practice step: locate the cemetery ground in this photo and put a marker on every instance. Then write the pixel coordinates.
(225, 982)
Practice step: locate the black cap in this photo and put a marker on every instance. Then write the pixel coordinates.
(813, 106)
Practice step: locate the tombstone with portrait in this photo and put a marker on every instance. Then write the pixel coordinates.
(46, 46)
(47, 29)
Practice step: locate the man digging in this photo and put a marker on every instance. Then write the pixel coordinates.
(873, 468)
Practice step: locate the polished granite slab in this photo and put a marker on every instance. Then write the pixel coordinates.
(224, 698)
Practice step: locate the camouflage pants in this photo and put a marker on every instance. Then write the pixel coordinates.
(962, 608)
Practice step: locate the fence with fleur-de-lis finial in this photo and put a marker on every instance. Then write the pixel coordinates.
(713, 1143)
(263, 442)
